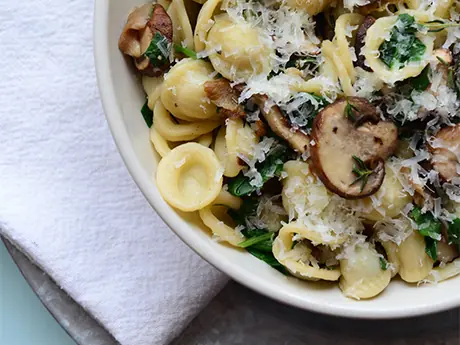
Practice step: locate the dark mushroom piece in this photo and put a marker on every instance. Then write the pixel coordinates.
(147, 26)
(279, 124)
(223, 95)
(351, 144)
(359, 43)
(445, 151)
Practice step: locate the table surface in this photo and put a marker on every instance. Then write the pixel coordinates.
(23, 318)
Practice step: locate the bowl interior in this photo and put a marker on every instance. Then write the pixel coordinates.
(123, 97)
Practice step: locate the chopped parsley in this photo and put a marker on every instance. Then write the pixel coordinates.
(403, 46)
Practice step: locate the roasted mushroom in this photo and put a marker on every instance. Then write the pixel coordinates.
(147, 38)
(279, 124)
(349, 148)
(359, 43)
(223, 95)
(445, 152)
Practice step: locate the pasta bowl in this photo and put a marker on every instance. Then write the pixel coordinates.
(122, 98)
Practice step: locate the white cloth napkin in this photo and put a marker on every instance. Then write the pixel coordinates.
(66, 199)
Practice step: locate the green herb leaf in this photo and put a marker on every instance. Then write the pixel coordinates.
(300, 62)
(269, 259)
(403, 45)
(255, 240)
(349, 109)
(158, 50)
(453, 232)
(422, 81)
(269, 168)
(383, 264)
(186, 51)
(428, 225)
(439, 25)
(361, 171)
(147, 113)
(430, 228)
(431, 248)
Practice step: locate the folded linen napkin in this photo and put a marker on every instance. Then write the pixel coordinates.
(67, 200)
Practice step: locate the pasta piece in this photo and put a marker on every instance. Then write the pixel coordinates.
(302, 192)
(312, 7)
(212, 217)
(415, 263)
(182, 29)
(298, 260)
(332, 55)
(238, 51)
(204, 23)
(183, 92)
(362, 276)
(439, 274)
(173, 131)
(341, 40)
(159, 143)
(205, 139)
(376, 35)
(189, 177)
(443, 8)
(389, 200)
(233, 141)
(152, 87)
(391, 249)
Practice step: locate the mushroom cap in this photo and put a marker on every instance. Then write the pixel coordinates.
(338, 139)
(445, 150)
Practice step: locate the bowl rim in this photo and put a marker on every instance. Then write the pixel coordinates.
(121, 138)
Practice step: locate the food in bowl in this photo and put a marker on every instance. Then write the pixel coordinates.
(321, 137)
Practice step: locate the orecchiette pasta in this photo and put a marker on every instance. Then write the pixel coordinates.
(376, 35)
(320, 136)
(212, 216)
(415, 264)
(190, 177)
(362, 275)
(298, 259)
(240, 51)
(389, 201)
(182, 92)
(173, 131)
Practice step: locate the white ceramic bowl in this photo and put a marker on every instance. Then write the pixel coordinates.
(123, 97)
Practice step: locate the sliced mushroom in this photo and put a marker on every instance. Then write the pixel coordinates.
(359, 43)
(298, 140)
(221, 93)
(445, 152)
(342, 141)
(142, 25)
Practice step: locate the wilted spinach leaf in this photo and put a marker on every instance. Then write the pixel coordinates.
(430, 228)
(453, 232)
(403, 45)
(270, 167)
(147, 113)
(303, 108)
(158, 50)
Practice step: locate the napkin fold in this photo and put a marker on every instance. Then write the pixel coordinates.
(66, 198)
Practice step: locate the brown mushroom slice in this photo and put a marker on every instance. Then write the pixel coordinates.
(298, 140)
(221, 93)
(341, 144)
(445, 151)
(359, 43)
(139, 31)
